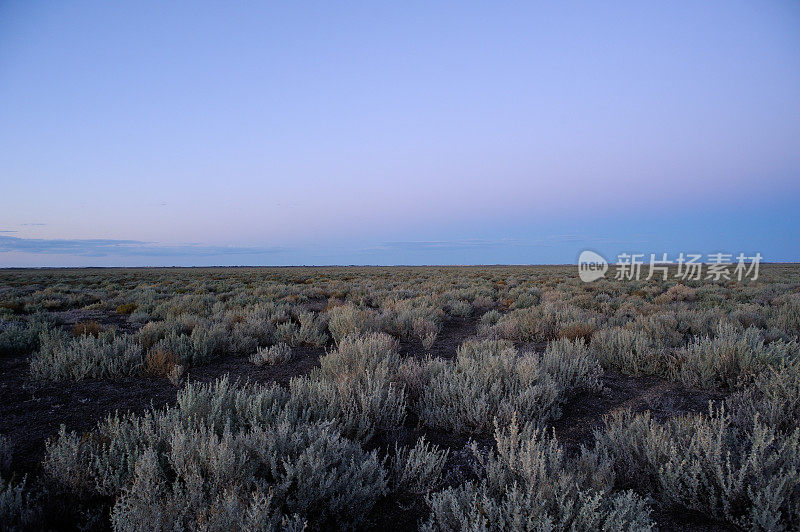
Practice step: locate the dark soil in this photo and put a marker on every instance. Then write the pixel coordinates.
(68, 318)
(664, 399)
(455, 331)
(33, 410)
(304, 359)
(683, 520)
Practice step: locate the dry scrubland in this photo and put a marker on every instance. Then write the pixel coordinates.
(398, 398)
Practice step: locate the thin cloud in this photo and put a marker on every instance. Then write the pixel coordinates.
(615, 241)
(564, 238)
(438, 245)
(125, 248)
(432, 245)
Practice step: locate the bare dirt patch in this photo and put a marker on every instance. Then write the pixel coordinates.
(664, 399)
(33, 410)
(303, 360)
(455, 331)
(68, 318)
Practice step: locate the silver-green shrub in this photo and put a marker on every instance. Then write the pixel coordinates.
(459, 307)
(207, 340)
(277, 354)
(287, 332)
(19, 508)
(307, 469)
(488, 379)
(151, 502)
(20, 338)
(732, 357)
(179, 345)
(539, 323)
(226, 456)
(61, 357)
(627, 351)
(356, 356)
(529, 484)
(487, 321)
(346, 320)
(413, 375)
(786, 317)
(152, 332)
(358, 410)
(415, 318)
(416, 470)
(573, 365)
(525, 297)
(312, 330)
(774, 396)
(425, 331)
(211, 339)
(355, 386)
(240, 405)
(749, 477)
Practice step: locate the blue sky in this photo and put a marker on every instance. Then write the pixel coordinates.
(197, 133)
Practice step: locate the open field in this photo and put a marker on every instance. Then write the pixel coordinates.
(440, 398)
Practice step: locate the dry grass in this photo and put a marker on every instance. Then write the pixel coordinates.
(574, 331)
(84, 328)
(126, 308)
(160, 362)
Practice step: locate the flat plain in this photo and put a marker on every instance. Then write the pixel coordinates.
(402, 398)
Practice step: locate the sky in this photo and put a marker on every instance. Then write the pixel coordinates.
(287, 133)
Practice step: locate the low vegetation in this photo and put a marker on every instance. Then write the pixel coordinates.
(502, 398)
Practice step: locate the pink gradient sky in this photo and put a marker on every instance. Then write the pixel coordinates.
(307, 133)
